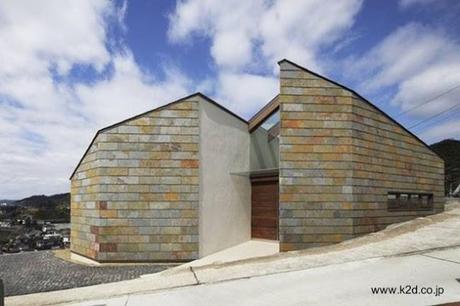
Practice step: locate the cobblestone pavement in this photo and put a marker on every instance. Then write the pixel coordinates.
(32, 272)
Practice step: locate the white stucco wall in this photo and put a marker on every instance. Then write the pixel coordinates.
(225, 199)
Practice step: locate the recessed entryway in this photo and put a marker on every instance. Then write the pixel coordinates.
(264, 207)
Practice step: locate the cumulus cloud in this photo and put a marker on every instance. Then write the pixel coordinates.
(419, 61)
(242, 31)
(247, 38)
(229, 24)
(57, 33)
(299, 29)
(46, 118)
(246, 93)
(129, 91)
(421, 66)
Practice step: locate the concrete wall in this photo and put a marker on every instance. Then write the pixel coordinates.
(339, 157)
(135, 195)
(225, 200)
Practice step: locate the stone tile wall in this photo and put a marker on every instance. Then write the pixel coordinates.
(83, 212)
(337, 163)
(315, 161)
(387, 158)
(135, 194)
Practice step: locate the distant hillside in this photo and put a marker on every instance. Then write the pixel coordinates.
(43, 207)
(43, 201)
(449, 150)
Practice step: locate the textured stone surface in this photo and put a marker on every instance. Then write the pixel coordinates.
(387, 158)
(135, 194)
(32, 272)
(339, 157)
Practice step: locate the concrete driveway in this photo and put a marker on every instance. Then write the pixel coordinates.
(425, 279)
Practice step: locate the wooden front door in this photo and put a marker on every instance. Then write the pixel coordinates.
(265, 204)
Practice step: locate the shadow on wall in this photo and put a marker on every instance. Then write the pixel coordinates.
(264, 151)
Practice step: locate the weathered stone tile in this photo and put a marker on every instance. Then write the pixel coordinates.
(339, 156)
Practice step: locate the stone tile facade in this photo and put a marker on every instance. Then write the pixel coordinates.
(150, 189)
(135, 193)
(387, 158)
(339, 156)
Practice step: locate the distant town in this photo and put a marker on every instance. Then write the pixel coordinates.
(35, 223)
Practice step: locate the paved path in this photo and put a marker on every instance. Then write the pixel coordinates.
(41, 271)
(341, 284)
(419, 235)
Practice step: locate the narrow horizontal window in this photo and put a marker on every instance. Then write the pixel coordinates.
(409, 201)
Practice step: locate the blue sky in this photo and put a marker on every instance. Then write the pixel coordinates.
(72, 67)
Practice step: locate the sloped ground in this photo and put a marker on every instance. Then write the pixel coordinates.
(423, 235)
(416, 279)
(419, 235)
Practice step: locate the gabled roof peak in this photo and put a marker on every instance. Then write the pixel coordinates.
(196, 94)
(284, 60)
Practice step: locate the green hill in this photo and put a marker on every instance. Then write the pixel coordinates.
(42, 207)
(449, 150)
(43, 201)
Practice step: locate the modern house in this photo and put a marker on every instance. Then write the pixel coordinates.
(317, 165)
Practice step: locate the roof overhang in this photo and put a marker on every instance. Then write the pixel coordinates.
(264, 113)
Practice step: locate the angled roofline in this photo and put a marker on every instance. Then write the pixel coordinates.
(198, 94)
(220, 106)
(365, 100)
(263, 113)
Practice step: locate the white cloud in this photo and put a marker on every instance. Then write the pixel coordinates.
(408, 3)
(448, 129)
(37, 35)
(231, 25)
(242, 31)
(121, 13)
(129, 92)
(430, 84)
(246, 93)
(46, 124)
(419, 61)
(419, 64)
(247, 38)
(298, 29)
(404, 53)
(41, 137)
(47, 120)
